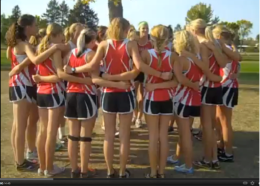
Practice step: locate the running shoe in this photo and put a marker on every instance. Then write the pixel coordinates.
(56, 170)
(215, 165)
(221, 151)
(183, 169)
(40, 172)
(225, 158)
(202, 164)
(112, 175)
(75, 174)
(31, 155)
(171, 160)
(127, 174)
(64, 140)
(150, 176)
(27, 166)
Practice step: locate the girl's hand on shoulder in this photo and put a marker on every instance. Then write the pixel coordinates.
(67, 69)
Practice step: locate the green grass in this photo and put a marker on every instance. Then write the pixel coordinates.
(250, 66)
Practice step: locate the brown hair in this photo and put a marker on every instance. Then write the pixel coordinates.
(52, 30)
(117, 28)
(85, 37)
(101, 33)
(17, 29)
(159, 38)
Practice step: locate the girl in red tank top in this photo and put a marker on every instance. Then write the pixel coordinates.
(158, 102)
(211, 91)
(230, 95)
(143, 44)
(21, 89)
(81, 105)
(118, 95)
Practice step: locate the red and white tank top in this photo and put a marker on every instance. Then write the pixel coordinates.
(147, 46)
(72, 45)
(116, 61)
(187, 95)
(77, 62)
(47, 68)
(24, 78)
(230, 68)
(169, 46)
(166, 66)
(215, 69)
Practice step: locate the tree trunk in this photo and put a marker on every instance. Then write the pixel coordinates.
(115, 10)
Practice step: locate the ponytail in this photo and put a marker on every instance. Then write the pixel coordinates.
(33, 41)
(67, 34)
(44, 44)
(209, 36)
(85, 37)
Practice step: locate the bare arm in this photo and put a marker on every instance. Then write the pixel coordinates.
(105, 83)
(221, 58)
(125, 76)
(234, 55)
(141, 65)
(180, 77)
(41, 57)
(18, 68)
(47, 79)
(205, 60)
(62, 75)
(8, 53)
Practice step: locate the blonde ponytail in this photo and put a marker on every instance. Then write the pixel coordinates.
(85, 37)
(159, 38)
(44, 44)
(209, 36)
(67, 34)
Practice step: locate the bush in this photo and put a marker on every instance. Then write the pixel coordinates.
(251, 49)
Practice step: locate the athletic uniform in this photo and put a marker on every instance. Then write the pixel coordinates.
(147, 46)
(211, 92)
(159, 101)
(72, 46)
(22, 86)
(81, 99)
(230, 86)
(117, 60)
(187, 100)
(49, 95)
(169, 46)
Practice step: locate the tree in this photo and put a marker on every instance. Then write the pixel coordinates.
(42, 23)
(202, 11)
(257, 38)
(64, 14)
(16, 13)
(52, 14)
(115, 8)
(244, 29)
(5, 23)
(82, 13)
(177, 28)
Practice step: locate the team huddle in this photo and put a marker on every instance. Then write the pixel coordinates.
(67, 75)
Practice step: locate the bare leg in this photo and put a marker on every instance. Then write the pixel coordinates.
(74, 132)
(32, 128)
(153, 128)
(124, 131)
(163, 142)
(85, 145)
(110, 122)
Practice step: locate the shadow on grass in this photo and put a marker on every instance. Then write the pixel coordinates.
(246, 152)
(249, 78)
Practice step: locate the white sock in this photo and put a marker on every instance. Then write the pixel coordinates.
(61, 132)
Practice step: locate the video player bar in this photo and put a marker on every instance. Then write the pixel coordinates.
(37, 182)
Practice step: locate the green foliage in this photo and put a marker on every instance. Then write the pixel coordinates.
(251, 49)
(244, 28)
(64, 14)
(202, 11)
(16, 13)
(177, 28)
(52, 14)
(82, 13)
(42, 23)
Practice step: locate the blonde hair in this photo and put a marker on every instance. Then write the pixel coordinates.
(132, 33)
(201, 27)
(34, 40)
(53, 29)
(184, 40)
(69, 31)
(85, 37)
(101, 33)
(159, 38)
(117, 28)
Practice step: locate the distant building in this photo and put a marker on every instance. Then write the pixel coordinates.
(242, 48)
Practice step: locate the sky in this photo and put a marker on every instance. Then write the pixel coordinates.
(167, 12)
